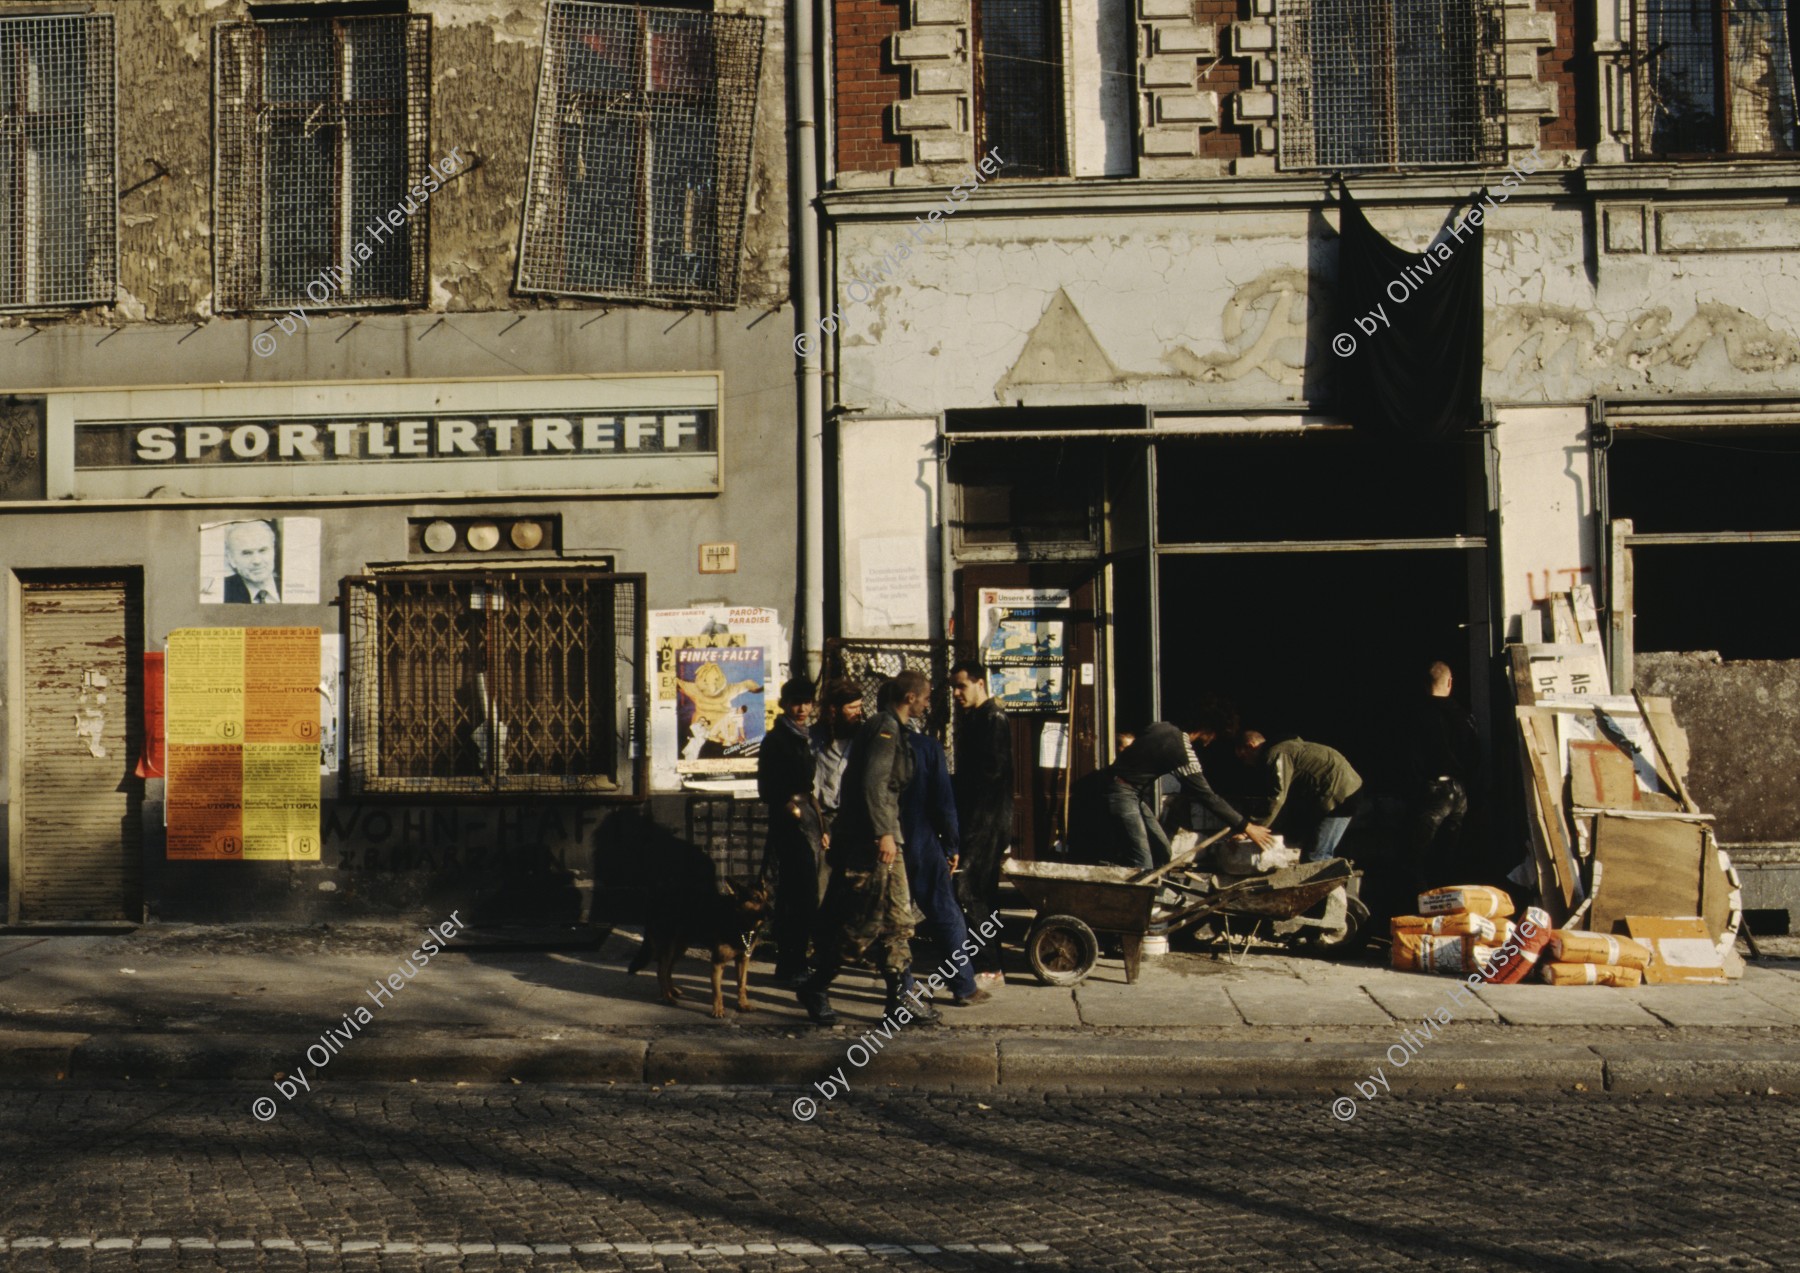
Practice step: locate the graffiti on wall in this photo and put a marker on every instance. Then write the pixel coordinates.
(384, 838)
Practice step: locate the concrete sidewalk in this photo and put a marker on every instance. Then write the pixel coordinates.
(196, 1002)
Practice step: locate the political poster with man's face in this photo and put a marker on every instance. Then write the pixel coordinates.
(260, 561)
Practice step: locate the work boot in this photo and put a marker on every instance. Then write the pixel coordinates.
(812, 997)
(903, 992)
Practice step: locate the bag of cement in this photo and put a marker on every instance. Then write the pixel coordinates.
(1242, 857)
(1477, 899)
(1428, 952)
(1459, 924)
(1591, 975)
(1512, 961)
(1571, 946)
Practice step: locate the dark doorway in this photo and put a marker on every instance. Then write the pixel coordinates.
(1330, 646)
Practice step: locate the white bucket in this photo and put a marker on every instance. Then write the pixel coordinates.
(1155, 945)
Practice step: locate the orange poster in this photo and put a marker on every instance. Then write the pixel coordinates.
(206, 801)
(281, 685)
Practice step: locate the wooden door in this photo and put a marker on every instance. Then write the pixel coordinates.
(1040, 792)
(80, 803)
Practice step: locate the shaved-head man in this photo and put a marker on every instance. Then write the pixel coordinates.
(250, 552)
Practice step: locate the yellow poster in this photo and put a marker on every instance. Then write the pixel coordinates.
(243, 750)
(204, 686)
(281, 801)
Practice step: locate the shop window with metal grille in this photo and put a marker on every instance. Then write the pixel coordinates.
(58, 204)
(1389, 83)
(1714, 77)
(495, 681)
(1019, 85)
(322, 127)
(640, 157)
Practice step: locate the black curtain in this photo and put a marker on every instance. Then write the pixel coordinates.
(1411, 369)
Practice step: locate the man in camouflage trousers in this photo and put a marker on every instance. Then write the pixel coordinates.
(867, 911)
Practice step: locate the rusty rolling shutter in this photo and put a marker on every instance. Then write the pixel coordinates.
(80, 821)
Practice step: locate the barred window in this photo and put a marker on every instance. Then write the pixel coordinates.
(1019, 85)
(58, 196)
(322, 127)
(1714, 77)
(1389, 83)
(495, 681)
(640, 156)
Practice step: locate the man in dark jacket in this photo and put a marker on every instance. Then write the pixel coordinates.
(867, 911)
(785, 770)
(1159, 751)
(928, 819)
(1443, 756)
(984, 801)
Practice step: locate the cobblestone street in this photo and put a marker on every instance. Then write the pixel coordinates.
(481, 1178)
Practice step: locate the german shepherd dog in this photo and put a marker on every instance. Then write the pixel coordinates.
(725, 924)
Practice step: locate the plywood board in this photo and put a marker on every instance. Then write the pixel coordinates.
(1537, 738)
(1647, 868)
(1601, 776)
(1681, 948)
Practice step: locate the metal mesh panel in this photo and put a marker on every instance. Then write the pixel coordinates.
(323, 127)
(58, 228)
(733, 833)
(1714, 76)
(869, 663)
(640, 156)
(1020, 85)
(1389, 83)
(495, 682)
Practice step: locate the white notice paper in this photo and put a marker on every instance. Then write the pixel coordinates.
(893, 581)
(1053, 746)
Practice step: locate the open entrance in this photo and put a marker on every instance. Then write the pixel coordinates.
(1310, 579)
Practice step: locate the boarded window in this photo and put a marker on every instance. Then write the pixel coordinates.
(640, 157)
(1390, 83)
(495, 681)
(323, 129)
(1019, 85)
(1714, 77)
(58, 223)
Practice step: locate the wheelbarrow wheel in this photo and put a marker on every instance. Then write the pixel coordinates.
(1062, 950)
(1355, 935)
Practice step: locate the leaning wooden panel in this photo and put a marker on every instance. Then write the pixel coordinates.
(1648, 868)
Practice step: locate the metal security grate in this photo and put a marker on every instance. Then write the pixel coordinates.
(733, 833)
(640, 157)
(495, 682)
(1390, 83)
(1714, 77)
(58, 222)
(1019, 85)
(322, 128)
(869, 663)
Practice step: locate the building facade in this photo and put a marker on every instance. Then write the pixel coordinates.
(1102, 376)
(379, 377)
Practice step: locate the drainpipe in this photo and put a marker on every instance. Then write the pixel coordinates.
(803, 153)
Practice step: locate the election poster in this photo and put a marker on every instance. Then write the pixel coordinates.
(1022, 646)
(241, 719)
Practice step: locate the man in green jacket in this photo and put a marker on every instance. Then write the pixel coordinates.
(1316, 791)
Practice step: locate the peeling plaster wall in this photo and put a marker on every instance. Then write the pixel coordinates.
(485, 63)
(1223, 308)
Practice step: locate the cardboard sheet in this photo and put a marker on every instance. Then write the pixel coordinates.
(1649, 868)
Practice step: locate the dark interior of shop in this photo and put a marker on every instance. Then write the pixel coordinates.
(1731, 597)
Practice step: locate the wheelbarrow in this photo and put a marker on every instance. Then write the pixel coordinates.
(1075, 904)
